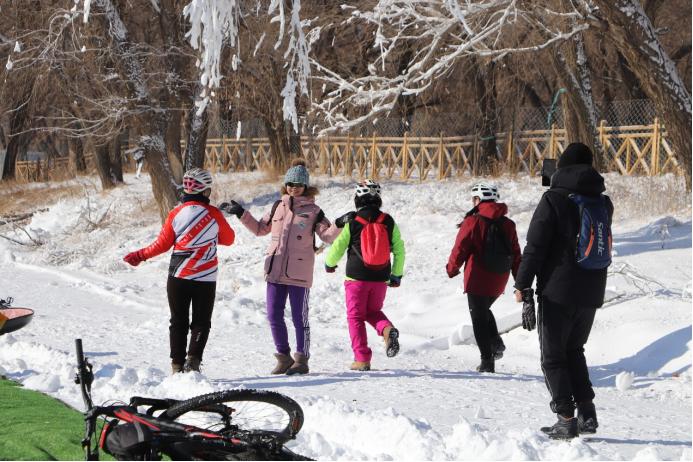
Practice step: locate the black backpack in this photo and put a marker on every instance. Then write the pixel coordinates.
(496, 255)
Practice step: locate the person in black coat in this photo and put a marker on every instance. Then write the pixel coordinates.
(568, 295)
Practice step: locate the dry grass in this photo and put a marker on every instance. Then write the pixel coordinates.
(25, 197)
(648, 196)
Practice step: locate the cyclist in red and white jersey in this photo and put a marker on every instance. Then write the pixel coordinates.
(194, 229)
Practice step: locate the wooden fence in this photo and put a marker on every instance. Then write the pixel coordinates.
(630, 150)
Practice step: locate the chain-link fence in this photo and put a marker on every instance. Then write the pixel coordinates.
(427, 124)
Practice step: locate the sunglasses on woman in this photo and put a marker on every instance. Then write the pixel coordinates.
(294, 185)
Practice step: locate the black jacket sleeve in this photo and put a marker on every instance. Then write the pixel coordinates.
(540, 235)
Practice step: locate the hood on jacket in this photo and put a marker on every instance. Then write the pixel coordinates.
(492, 210)
(369, 212)
(290, 201)
(579, 178)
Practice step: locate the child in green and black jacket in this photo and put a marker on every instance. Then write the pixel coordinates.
(365, 283)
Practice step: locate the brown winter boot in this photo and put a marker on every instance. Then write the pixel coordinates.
(300, 365)
(391, 339)
(284, 362)
(176, 368)
(360, 366)
(192, 364)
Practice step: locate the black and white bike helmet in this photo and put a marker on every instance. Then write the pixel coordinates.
(367, 187)
(197, 180)
(485, 191)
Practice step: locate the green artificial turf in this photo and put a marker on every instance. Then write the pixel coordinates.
(34, 426)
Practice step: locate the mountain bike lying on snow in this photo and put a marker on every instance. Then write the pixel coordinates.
(226, 425)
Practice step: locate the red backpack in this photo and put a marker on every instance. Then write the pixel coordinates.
(375, 243)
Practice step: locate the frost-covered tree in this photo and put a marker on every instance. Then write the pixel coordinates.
(440, 34)
(628, 26)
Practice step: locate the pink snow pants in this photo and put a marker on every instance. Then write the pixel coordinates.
(364, 300)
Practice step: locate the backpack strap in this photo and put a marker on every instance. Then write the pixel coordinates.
(274, 209)
(379, 220)
(361, 220)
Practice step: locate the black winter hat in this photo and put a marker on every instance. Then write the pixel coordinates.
(575, 153)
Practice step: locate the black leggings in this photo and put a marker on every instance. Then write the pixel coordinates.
(483, 322)
(181, 292)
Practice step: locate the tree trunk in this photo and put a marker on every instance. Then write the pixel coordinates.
(154, 122)
(484, 87)
(116, 158)
(634, 35)
(279, 144)
(197, 127)
(102, 159)
(579, 111)
(75, 154)
(164, 186)
(173, 137)
(16, 149)
(18, 140)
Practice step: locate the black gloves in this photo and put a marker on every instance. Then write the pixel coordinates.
(233, 208)
(330, 269)
(394, 281)
(344, 219)
(529, 319)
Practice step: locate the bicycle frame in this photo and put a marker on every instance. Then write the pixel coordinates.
(173, 438)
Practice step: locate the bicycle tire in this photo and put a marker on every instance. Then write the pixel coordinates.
(210, 404)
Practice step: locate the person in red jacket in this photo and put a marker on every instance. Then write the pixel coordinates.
(194, 229)
(487, 245)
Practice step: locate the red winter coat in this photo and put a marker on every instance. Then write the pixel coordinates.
(469, 245)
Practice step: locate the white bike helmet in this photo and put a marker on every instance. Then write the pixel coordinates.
(196, 180)
(485, 191)
(367, 187)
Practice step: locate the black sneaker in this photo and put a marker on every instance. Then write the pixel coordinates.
(391, 342)
(563, 429)
(487, 365)
(587, 418)
(498, 347)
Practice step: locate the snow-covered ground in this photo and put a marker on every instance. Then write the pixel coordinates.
(426, 403)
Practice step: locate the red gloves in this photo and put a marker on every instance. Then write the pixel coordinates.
(134, 258)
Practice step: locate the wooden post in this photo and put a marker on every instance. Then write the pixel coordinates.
(405, 157)
(441, 165)
(375, 166)
(422, 159)
(475, 154)
(656, 143)
(322, 157)
(552, 143)
(348, 167)
(509, 147)
(248, 158)
(602, 140)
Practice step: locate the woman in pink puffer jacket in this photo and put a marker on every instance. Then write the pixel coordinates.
(294, 221)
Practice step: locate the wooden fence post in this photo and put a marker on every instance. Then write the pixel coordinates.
(656, 143)
(552, 143)
(602, 140)
(322, 157)
(509, 147)
(348, 166)
(405, 157)
(441, 166)
(375, 167)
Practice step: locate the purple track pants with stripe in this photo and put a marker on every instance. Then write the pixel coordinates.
(276, 301)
